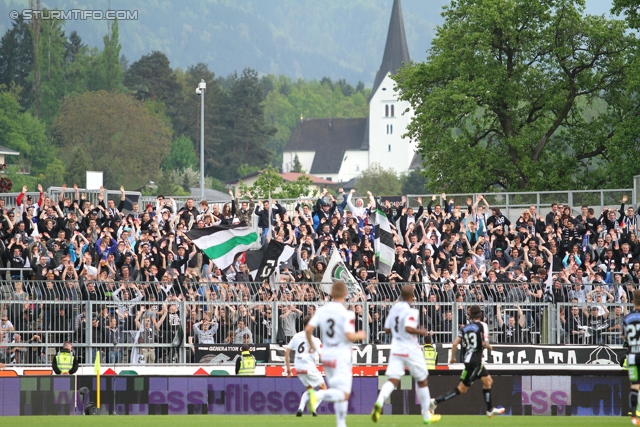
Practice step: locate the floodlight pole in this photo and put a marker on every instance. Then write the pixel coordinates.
(201, 88)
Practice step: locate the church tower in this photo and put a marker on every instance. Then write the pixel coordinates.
(341, 149)
(387, 120)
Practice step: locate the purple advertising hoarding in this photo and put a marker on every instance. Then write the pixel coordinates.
(146, 395)
(170, 395)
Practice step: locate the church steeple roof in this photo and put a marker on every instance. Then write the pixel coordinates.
(396, 53)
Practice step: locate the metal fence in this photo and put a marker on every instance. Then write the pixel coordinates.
(55, 193)
(512, 204)
(92, 195)
(147, 323)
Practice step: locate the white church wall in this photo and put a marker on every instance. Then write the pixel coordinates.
(353, 163)
(387, 124)
(305, 157)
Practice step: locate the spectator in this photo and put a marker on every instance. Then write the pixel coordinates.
(511, 332)
(205, 331)
(240, 332)
(290, 315)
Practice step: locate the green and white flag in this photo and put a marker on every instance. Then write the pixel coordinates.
(222, 243)
(383, 243)
(337, 270)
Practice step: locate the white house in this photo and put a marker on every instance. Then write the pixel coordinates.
(340, 149)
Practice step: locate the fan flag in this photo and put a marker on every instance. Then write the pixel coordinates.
(222, 243)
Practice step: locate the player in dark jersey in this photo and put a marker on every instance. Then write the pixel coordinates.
(631, 333)
(475, 337)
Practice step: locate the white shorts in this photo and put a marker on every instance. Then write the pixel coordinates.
(412, 359)
(310, 376)
(338, 372)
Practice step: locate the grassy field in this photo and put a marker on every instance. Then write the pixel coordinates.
(306, 421)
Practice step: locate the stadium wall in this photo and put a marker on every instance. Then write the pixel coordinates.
(151, 395)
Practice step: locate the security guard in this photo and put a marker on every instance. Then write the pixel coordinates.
(246, 363)
(430, 353)
(65, 363)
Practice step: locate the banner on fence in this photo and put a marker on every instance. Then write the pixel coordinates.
(378, 354)
(218, 354)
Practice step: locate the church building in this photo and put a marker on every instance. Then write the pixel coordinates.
(340, 149)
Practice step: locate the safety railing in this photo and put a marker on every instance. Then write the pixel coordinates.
(10, 199)
(110, 317)
(56, 194)
(512, 204)
(594, 323)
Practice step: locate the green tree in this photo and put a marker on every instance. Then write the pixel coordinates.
(630, 9)
(506, 93)
(245, 169)
(151, 78)
(35, 75)
(118, 134)
(414, 182)
(51, 65)
(299, 187)
(11, 132)
(53, 174)
(167, 187)
(186, 178)
(380, 181)
(297, 166)
(268, 183)
(23, 133)
(77, 65)
(245, 134)
(111, 58)
(16, 59)
(76, 171)
(105, 71)
(181, 156)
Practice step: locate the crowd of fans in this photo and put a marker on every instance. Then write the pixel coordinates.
(139, 270)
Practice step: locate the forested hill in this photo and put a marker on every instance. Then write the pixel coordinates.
(310, 39)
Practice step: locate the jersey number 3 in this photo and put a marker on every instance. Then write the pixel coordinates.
(331, 332)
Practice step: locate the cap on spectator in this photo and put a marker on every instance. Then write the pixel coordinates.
(495, 261)
(149, 205)
(603, 267)
(498, 249)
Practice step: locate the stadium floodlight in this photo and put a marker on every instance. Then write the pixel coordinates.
(200, 90)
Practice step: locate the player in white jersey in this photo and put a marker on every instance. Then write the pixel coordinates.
(402, 324)
(305, 365)
(337, 326)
